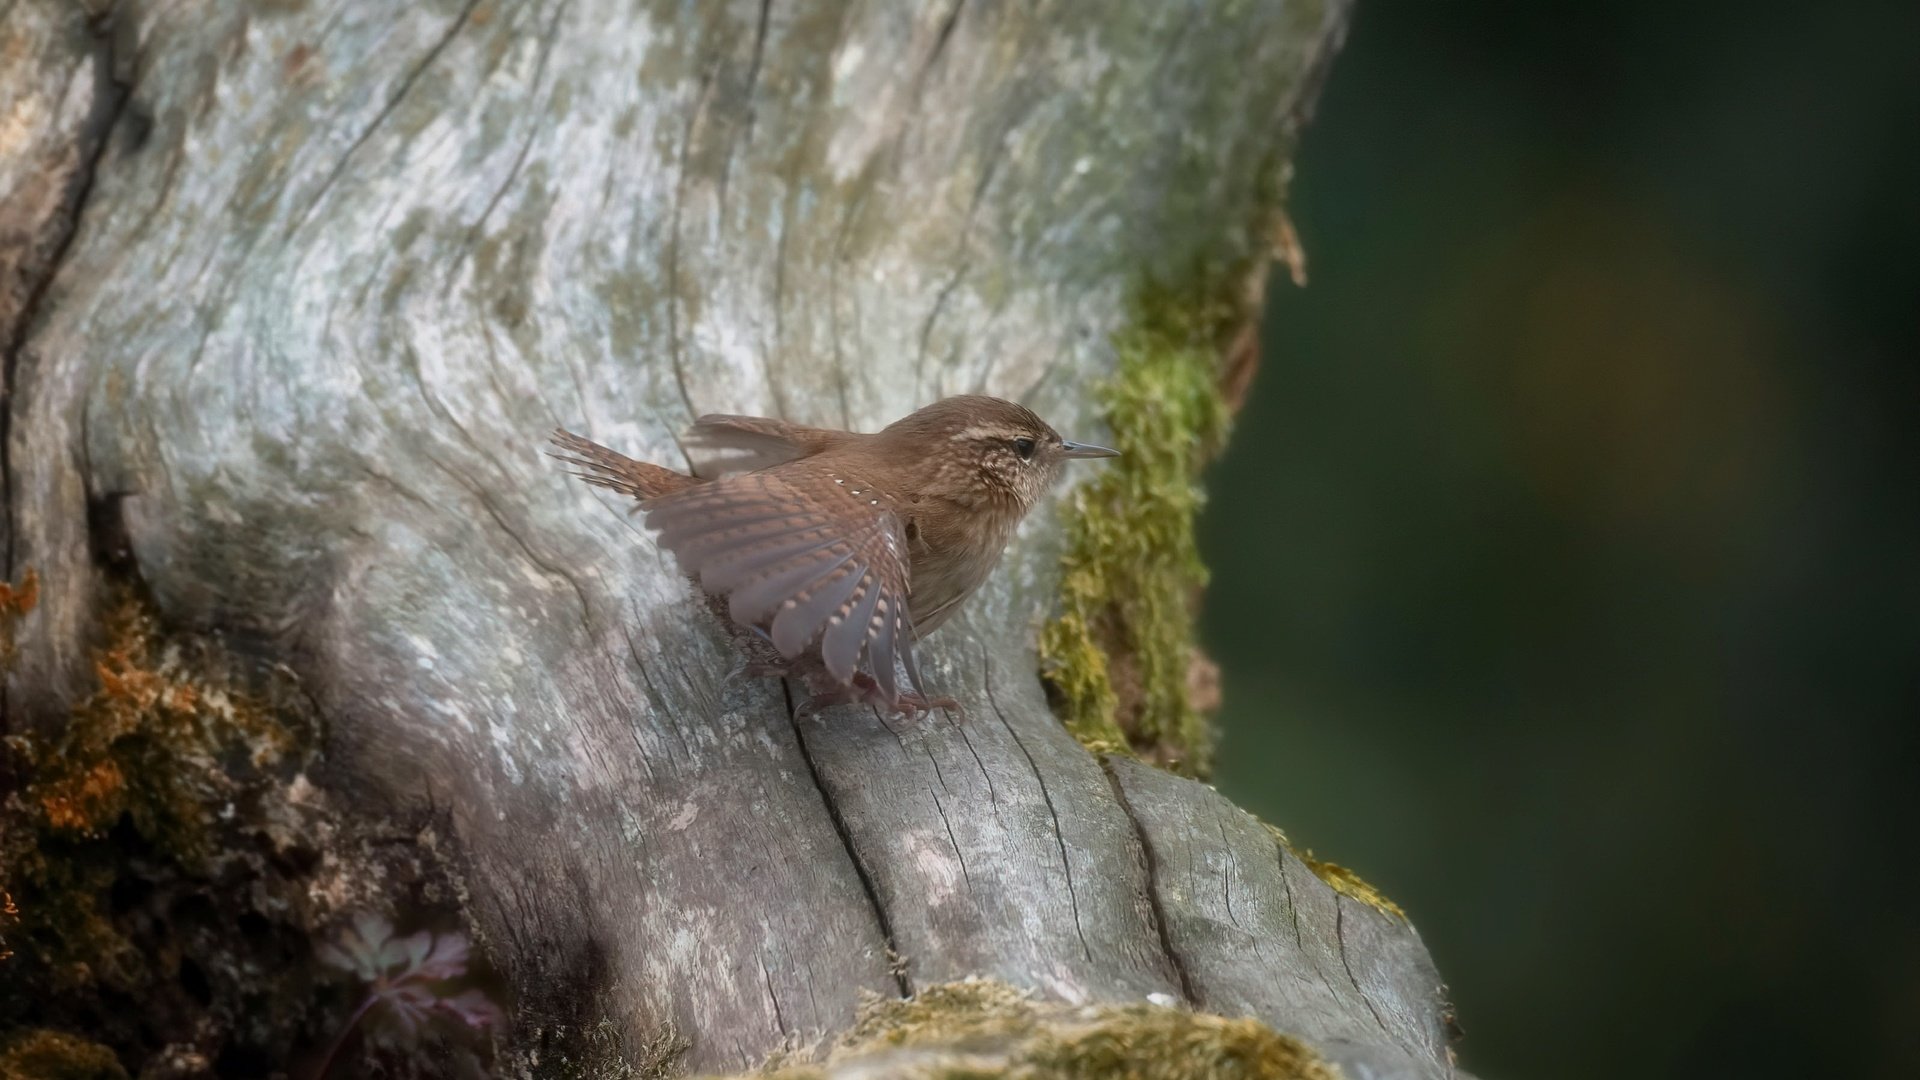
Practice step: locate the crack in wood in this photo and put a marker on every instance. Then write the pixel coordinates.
(1227, 872)
(1340, 940)
(958, 853)
(935, 762)
(747, 100)
(674, 331)
(767, 353)
(1286, 888)
(108, 106)
(753, 67)
(658, 700)
(853, 850)
(1293, 912)
(963, 259)
(993, 795)
(779, 1018)
(1059, 837)
(552, 569)
(407, 83)
(535, 125)
(1155, 904)
(945, 33)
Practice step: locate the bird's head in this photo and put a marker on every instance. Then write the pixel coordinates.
(979, 450)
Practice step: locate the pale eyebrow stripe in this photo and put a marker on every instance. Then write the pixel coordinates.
(979, 431)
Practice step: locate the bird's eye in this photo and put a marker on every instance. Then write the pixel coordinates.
(1024, 447)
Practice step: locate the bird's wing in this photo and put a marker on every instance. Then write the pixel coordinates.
(724, 445)
(807, 552)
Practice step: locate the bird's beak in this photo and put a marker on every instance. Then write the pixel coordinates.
(1080, 449)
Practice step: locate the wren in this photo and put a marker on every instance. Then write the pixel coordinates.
(833, 552)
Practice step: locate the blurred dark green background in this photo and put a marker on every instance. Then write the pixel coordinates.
(1566, 560)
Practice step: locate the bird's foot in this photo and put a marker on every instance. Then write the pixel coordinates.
(821, 699)
(751, 669)
(909, 705)
(864, 690)
(913, 705)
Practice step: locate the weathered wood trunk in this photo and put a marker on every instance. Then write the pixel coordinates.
(296, 289)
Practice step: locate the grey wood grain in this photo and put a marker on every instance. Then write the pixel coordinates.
(1257, 934)
(49, 82)
(992, 840)
(343, 263)
(57, 98)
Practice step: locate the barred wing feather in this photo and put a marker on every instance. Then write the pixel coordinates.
(773, 544)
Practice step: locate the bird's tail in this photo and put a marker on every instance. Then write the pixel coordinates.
(608, 469)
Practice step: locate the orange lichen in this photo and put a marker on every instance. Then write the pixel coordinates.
(15, 603)
(145, 708)
(12, 912)
(79, 803)
(151, 749)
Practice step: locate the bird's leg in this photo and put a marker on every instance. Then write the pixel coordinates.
(909, 705)
(758, 658)
(749, 669)
(818, 699)
(912, 705)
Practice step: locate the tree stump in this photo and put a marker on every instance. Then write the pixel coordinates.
(293, 292)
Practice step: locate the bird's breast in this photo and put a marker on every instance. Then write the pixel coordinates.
(950, 559)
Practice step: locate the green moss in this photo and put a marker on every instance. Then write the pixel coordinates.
(41, 1054)
(1119, 653)
(1351, 885)
(981, 1028)
(1339, 878)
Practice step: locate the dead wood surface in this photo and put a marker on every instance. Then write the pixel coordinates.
(293, 291)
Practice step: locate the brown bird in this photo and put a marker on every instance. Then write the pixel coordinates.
(836, 549)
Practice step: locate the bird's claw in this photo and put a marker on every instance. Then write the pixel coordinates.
(864, 690)
(817, 701)
(912, 706)
(754, 670)
(909, 706)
